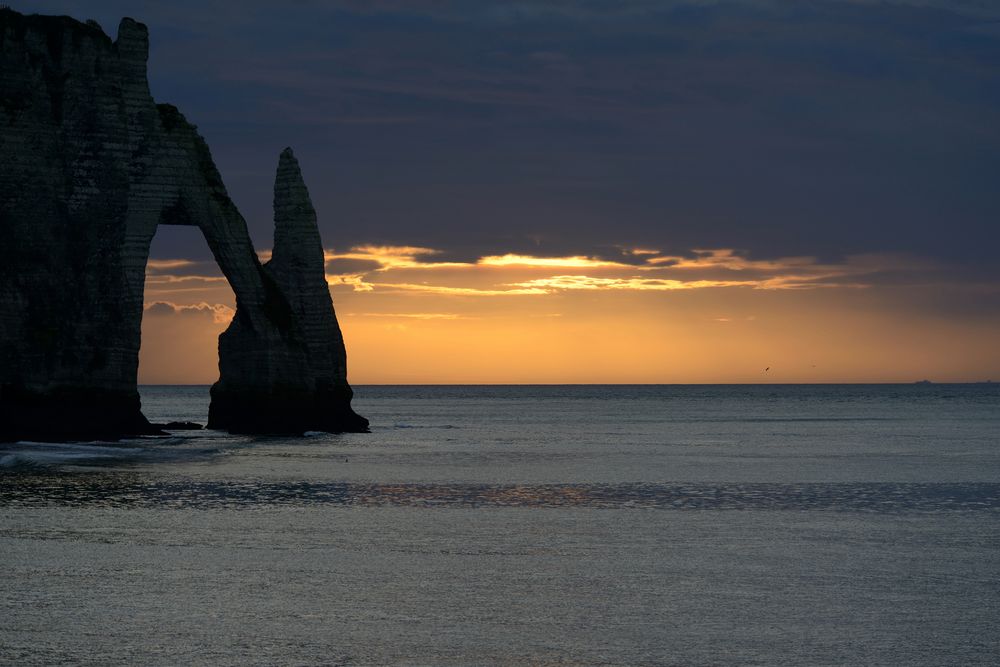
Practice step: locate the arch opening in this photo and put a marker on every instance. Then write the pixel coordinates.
(187, 304)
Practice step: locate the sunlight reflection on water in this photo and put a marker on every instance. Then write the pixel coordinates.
(125, 490)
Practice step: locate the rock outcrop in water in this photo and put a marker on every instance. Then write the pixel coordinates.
(89, 166)
(301, 385)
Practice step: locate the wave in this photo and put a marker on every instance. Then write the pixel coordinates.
(118, 490)
(27, 454)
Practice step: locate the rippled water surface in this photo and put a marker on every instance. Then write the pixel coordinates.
(521, 525)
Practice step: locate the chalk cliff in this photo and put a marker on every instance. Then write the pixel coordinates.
(89, 166)
(302, 385)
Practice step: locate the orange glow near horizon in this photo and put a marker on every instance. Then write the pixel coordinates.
(715, 316)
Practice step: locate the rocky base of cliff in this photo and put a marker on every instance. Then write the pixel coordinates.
(283, 412)
(69, 415)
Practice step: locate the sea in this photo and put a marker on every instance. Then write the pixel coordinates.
(521, 525)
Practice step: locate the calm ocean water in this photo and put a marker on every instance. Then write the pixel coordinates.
(647, 525)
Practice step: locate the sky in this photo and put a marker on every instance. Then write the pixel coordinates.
(594, 191)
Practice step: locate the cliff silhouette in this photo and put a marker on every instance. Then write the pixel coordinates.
(90, 165)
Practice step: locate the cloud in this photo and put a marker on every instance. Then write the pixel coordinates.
(724, 258)
(832, 127)
(511, 259)
(637, 284)
(392, 257)
(514, 274)
(158, 265)
(370, 268)
(160, 308)
(460, 291)
(166, 283)
(219, 313)
(638, 252)
(354, 281)
(351, 266)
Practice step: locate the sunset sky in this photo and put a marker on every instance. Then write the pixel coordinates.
(549, 191)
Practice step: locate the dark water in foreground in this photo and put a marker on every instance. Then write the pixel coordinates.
(521, 525)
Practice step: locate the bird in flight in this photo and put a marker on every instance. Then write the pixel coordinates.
(767, 369)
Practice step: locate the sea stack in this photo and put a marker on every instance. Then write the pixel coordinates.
(90, 165)
(306, 389)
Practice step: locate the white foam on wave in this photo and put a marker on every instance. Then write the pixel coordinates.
(82, 446)
(27, 453)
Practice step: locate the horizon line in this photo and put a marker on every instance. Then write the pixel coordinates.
(620, 384)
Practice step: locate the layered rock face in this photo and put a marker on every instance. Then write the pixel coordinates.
(302, 385)
(89, 166)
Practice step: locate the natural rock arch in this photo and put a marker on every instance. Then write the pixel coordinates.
(90, 165)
